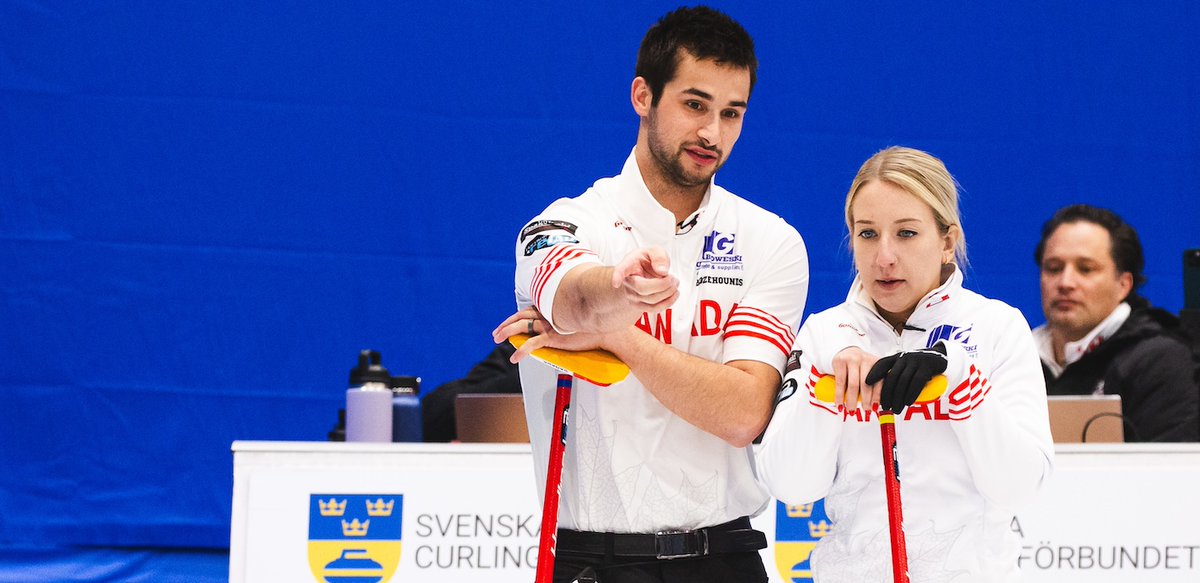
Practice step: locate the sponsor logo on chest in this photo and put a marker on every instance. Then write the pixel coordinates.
(950, 333)
(720, 254)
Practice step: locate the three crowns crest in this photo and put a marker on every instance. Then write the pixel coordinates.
(356, 528)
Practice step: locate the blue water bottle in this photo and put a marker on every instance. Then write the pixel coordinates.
(406, 409)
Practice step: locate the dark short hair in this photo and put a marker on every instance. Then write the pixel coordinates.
(704, 33)
(1126, 249)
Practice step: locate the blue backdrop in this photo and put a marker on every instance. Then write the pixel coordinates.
(207, 209)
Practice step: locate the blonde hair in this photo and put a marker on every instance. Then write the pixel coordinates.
(922, 175)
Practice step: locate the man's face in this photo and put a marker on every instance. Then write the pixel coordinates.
(1080, 282)
(692, 130)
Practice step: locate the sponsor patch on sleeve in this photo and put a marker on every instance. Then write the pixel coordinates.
(546, 225)
(546, 241)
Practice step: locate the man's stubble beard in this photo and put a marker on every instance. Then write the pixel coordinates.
(671, 163)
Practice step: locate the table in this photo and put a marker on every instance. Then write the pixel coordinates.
(469, 512)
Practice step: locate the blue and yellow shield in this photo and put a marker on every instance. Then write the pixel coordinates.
(354, 538)
(797, 530)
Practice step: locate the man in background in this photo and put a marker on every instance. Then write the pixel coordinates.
(1100, 337)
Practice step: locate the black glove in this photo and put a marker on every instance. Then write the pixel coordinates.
(904, 374)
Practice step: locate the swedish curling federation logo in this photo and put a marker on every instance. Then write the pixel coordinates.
(354, 538)
(797, 530)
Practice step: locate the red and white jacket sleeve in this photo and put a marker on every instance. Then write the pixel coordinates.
(762, 326)
(797, 458)
(998, 412)
(549, 246)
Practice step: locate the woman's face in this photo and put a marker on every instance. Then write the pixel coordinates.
(898, 249)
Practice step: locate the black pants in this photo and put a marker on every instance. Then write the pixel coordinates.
(746, 567)
(733, 558)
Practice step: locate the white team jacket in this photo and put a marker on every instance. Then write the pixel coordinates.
(631, 465)
(968, 462)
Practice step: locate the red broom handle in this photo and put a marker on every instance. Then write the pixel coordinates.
(558, 442)
(891, 477)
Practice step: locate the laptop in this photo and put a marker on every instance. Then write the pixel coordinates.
(490, 418)
(1086, 418)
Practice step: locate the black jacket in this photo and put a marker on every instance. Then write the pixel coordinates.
(1153, 371)
(494, 374)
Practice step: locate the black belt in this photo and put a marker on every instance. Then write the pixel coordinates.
(734, 536)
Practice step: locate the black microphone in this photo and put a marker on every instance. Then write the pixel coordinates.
(686, 226)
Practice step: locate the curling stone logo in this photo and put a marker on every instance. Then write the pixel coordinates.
(354, 538)
(797, 530)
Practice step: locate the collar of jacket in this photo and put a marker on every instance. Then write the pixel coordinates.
(638, 207)
(930, 311)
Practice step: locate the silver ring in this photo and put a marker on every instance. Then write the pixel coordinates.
(529, 327)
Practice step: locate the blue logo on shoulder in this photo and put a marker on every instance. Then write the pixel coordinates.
(953, 334)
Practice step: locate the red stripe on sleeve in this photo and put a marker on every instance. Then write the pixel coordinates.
(761, 321)
(769, 338)
(559, 256)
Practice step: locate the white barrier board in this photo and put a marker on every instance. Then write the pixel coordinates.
(430, 513)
